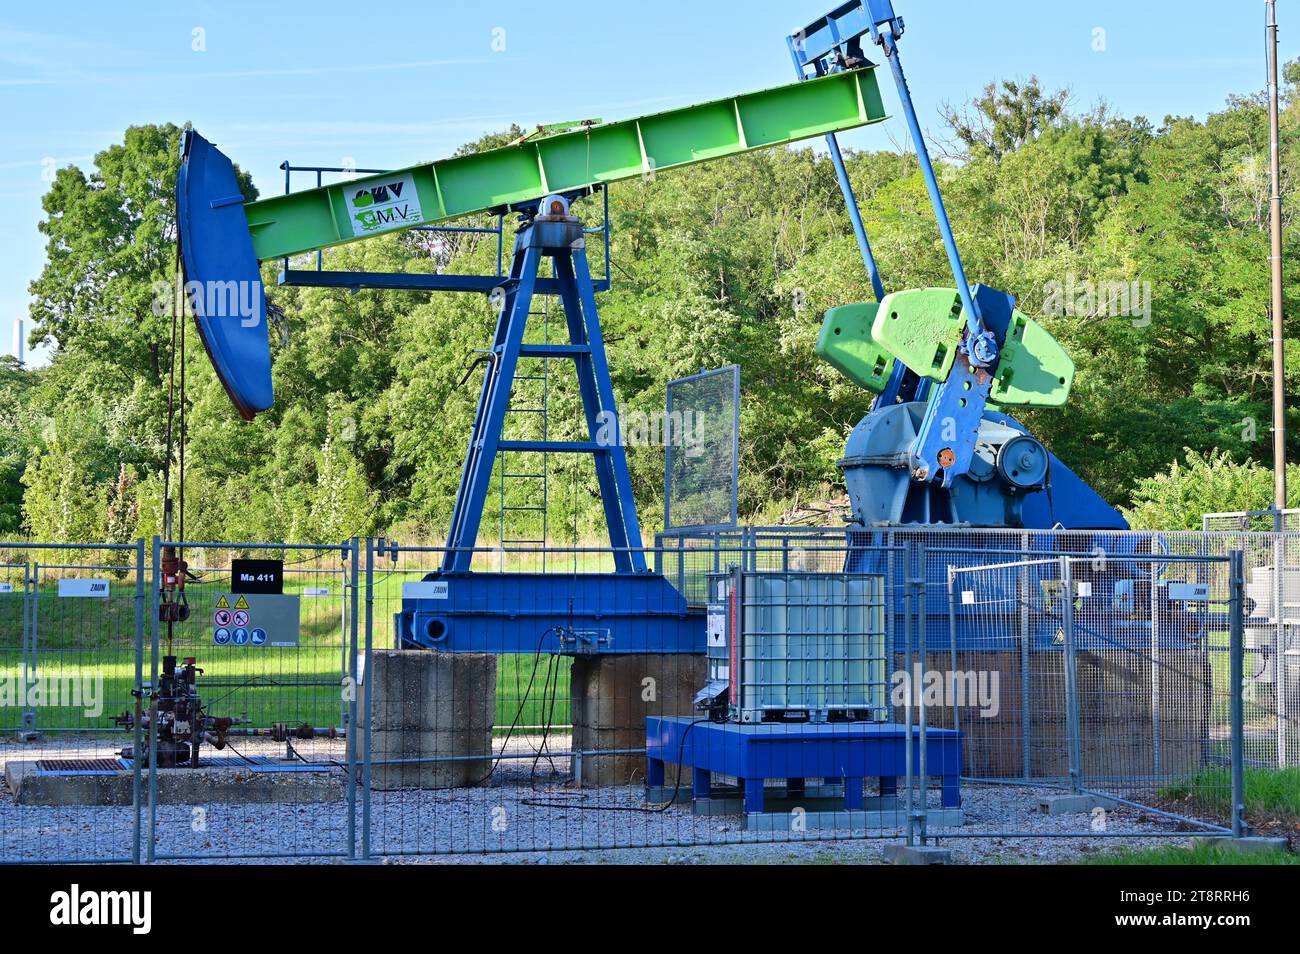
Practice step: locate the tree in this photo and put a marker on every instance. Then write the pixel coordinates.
(734, 261)
(17, 427)
(62, 503)
(1005, 117)
(110, 239)
(1202, 483)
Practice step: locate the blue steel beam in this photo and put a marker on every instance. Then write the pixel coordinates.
(886, 28)
(797, 43)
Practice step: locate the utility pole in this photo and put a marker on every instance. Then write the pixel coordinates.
(1275, 262)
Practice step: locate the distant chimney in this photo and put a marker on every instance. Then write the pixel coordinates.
(19, 339)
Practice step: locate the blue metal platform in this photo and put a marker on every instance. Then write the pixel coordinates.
(564, 613)
(849, 752)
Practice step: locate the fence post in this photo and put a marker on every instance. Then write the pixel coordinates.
(1279, 644)
(1236, 611)
(28, 602)
(1152, 572)
(370, 707)
(1071, 675)
(910, 682)
(918, 589)
(952, 644)
(137, 728)
(350, 607)
(152, 825)
(29, 659)
(1026, 672)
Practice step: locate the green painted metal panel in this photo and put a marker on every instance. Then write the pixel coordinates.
(846, 343)
(1033, 369)
(921, 327)
(420, 195)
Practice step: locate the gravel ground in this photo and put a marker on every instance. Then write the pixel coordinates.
(529, 813)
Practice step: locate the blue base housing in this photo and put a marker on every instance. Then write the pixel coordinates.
(569, 613)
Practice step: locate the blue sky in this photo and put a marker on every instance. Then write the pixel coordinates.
(410, 80)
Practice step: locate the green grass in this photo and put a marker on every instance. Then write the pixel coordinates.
(1270, 793)
(1203, 854)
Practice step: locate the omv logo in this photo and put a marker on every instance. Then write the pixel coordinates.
(378, 195)
(388, 204)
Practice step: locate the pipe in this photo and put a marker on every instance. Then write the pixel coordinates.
(1275, 267)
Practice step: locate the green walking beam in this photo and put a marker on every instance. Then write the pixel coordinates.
(450, 188)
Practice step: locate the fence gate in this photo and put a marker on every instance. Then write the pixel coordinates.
(1103, 679)
(71, 653)
(270, 648)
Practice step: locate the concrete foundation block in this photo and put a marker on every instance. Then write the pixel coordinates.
(610, 698)
(1074, 804)
(409, 758)
(1021, 732)
(33, 785)
(917, 855)
(432, 716)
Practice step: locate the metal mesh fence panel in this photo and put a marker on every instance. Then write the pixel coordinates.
(583, 742)
(870, 685)
(572, 742)
(701, 449)
(1252, 521)
(275, 675)
(71, 656)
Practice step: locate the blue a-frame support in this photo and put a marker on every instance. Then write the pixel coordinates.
(558, 237)
(630, 611)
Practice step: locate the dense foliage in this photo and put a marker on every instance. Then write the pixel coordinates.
(731, 261)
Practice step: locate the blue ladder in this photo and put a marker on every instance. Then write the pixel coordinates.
(560, 239)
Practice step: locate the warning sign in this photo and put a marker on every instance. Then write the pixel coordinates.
(255, 619)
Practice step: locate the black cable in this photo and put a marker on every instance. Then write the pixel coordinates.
(549, 693)
(519, 712)
(183, 441)
(677, 787)
(178, 274)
